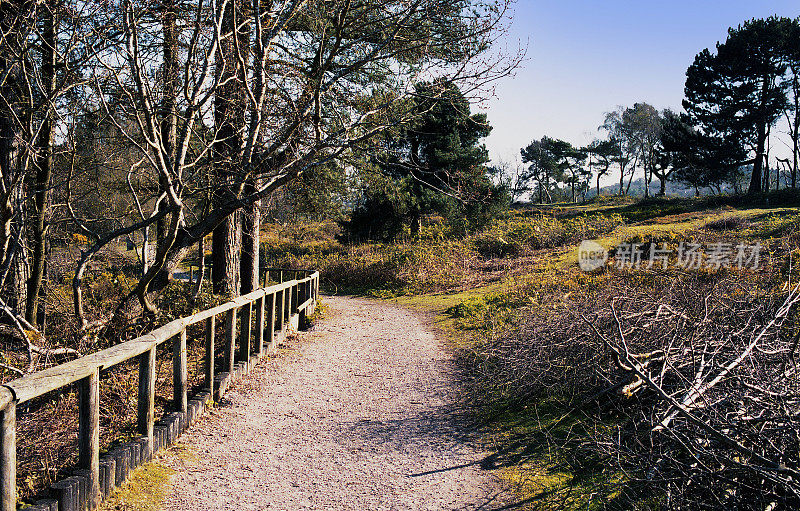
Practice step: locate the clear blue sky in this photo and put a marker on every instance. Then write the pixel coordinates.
(586, 57)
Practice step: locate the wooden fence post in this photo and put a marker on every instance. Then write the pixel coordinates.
(147, 396)
(8, 457)
(260, 326)
(287, 305)
(279, 297)
(245, 333)
(180, 373)
(210, 332)
(301, 299)
(89, 434)
(270, 317)
(230, 340)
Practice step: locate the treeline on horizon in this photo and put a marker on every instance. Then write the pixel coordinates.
(724, 139)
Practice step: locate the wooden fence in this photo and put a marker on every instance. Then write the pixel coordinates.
(276, 309)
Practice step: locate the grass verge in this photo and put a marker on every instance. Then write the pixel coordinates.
(145, 490)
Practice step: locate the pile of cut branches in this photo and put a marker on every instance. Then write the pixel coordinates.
(711, 377)
(685, 386)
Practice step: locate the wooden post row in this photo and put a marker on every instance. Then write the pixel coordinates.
(273, 313)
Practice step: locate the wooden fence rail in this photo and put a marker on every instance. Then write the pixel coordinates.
(276, 308)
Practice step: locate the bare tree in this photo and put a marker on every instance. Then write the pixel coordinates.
(318, 79)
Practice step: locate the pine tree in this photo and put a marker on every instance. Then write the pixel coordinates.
(739, 92)
(436, 164)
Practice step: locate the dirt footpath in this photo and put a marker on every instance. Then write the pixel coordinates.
(359, 417)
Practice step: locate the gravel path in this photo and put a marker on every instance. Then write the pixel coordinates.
(359, 415)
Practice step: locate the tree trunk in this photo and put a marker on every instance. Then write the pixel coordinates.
(251, 230)
(796, 132)
(630, 179)
(44, 169)
(12, 15)
(226, 248)
(573, 190)
(761, 140)
(168, 113)
(229, 109)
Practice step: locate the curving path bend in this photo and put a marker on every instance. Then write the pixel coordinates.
(359, 416)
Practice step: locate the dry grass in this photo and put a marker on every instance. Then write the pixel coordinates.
(145, 490)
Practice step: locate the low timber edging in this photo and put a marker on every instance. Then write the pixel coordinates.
(277, 309)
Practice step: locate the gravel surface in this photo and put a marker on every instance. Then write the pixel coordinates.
(358, 415)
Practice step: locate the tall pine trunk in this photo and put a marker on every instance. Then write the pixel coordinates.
(761, 141)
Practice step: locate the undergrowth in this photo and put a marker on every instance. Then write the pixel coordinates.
(431, 262)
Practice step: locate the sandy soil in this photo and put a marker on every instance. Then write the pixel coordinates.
(359, 415)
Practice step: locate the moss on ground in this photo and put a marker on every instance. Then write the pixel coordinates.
(145, 490)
